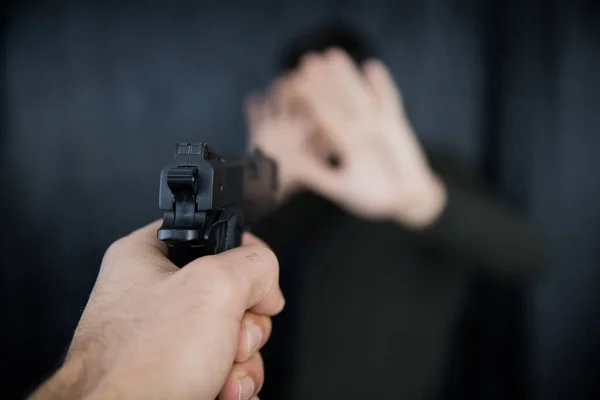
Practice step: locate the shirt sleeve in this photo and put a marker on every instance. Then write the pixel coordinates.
(477, 227)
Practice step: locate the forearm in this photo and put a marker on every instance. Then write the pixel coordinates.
(481, 230)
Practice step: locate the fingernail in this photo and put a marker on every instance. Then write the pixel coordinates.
(245, 388)
(254, 336)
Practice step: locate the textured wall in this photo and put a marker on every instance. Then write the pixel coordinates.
(97, 93)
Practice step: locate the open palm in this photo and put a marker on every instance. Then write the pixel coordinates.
(383, 171)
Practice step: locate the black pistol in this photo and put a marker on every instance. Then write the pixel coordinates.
(207, 200)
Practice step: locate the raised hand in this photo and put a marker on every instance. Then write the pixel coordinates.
(383, 172)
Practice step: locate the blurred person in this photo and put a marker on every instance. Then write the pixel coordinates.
(378, 239)
(153, 331)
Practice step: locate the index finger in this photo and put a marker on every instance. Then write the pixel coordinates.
(250, 239)
(139, 253)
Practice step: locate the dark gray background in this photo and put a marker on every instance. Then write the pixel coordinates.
(97, 93)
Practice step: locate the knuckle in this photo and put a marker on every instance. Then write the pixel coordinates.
(337, 58)
(309, 60)
(335, 54)
(260, 369)
(312, 66)
(281, 305)
(266, 261)
(217, 281)
(263, 257)
(115, 249)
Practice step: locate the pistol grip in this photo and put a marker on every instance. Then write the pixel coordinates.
(222, 232)
(183, 253)
(226, 233)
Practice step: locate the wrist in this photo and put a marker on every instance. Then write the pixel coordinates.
(70, 381)
(426, 205)
(81, 376)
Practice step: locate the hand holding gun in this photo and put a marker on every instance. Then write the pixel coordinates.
(207, 200)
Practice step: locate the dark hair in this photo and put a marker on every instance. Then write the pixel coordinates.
(322, 37)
